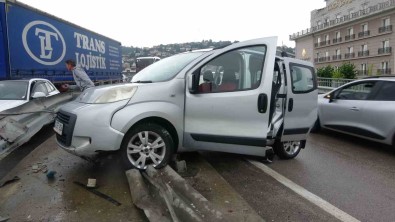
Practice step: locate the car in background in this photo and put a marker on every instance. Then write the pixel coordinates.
(363, 108)
(143, 62)
(14, 93)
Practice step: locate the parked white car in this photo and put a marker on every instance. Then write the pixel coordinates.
(14, 93)
(363, 108)
(238, 99)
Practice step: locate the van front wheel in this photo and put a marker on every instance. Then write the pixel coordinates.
(287, 149)
(145, 145)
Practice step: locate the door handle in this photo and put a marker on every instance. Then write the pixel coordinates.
(354, 109)
(290, 105)
(262, 103)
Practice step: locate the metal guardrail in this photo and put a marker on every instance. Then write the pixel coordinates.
(328, 84)
(20, 124)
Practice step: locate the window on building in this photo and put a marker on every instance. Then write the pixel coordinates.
(338, 35)
(327, 54)
(350, 12)
(318, 39)
(327, 20)
(386, 22)
(364, 48)
(384, 65)
(364, 27)
(350, 49)
(319, 23)
(363, 69)
(318, 55)
(337, 52)
(386, 44)
(364, 6)
(350, 31)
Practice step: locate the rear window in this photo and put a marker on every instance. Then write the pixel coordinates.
(303, 80)
(386, 92)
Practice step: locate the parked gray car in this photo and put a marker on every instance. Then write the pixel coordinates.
(237, 99)
(363, 108)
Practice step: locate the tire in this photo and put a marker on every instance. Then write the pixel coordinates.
(287, 150)
(316, 127)
(136, 152)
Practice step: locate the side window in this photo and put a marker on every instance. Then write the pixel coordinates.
(359, 91)
(302, 78)
(50, 88)
(386, 92)
(40, 87)
(237, 70)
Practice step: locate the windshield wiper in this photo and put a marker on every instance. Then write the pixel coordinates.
(143, 81)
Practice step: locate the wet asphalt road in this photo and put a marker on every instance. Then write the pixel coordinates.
(356, 176)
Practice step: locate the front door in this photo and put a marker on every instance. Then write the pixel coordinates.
(230, 110)
(302, 95)
(345, 111)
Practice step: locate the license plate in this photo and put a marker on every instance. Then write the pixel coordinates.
(58, 127)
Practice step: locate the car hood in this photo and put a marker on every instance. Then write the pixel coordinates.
(9, 104)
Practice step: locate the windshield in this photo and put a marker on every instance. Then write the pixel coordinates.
(165, 69)
(13, 90)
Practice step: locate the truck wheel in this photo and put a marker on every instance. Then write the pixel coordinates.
(287, 150)
(147, 144)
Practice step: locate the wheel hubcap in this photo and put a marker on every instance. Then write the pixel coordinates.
(291, 147)
(146, 148)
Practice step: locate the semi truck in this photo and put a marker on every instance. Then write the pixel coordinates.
(35, 44)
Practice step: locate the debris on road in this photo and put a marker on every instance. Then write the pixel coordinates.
(35, 168)
(16, 178)
(51, 174)
(91, 183)
(98, 193)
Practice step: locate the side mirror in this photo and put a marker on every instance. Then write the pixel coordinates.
(329, 97)
(38, 95)
(193, 83)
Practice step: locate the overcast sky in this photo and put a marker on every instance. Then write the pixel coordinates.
(154, 22)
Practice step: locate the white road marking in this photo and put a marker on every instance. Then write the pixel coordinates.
(321, 203)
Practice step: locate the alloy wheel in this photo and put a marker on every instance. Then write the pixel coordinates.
(146, 148)
(292, 147)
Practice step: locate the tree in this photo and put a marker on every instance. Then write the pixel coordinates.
(348, 70)
(337, 74)
(325, 72)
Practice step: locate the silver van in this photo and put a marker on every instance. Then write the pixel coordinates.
(237, 99)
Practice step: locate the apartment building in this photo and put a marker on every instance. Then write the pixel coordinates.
(355, 31)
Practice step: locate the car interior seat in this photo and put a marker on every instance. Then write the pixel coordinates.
(229, 81)
(207, 85)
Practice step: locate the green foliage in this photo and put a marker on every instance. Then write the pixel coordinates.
(337, 74)
(325, 72)
(370, 70)
(348, 71)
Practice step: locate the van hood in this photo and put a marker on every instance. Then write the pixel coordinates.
(9, 104)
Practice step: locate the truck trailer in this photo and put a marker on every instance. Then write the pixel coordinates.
(35, 44)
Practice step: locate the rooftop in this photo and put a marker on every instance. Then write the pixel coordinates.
(372, 10)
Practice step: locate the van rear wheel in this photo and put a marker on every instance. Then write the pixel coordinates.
(145, 145)
(287, 149)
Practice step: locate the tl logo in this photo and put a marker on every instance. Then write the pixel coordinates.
(44, 43)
